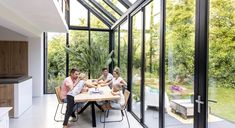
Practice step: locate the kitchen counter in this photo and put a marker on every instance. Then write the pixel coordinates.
(13, 79)
(16, 92)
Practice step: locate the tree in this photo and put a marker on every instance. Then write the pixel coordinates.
(222, 43)
(180, 39)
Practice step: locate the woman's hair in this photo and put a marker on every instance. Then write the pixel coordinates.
(82, 76)
(117, 71)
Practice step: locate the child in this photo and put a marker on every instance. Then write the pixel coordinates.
(116, 104)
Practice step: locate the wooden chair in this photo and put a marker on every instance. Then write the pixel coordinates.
(126, 95)
(60, 102)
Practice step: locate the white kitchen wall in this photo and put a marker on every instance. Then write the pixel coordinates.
(36, 64)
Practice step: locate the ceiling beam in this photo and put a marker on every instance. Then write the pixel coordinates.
(135, 6)
(97, 14)
(103, 10)
(114, 7)
(125, 3)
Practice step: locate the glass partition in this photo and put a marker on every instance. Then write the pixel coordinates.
(56, 63)
(136, 61)
(76, 17)
(152, 45)
(78, 40)
(221, 101)
(123, 49)
(96, 22)
(179, 68)
(100, 49)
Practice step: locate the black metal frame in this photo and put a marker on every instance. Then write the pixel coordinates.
(201, 63)
(125, 3)
(115, 8)
(45, 61)
(142, 88)
(97, 14)
(162, 65)
(103, 10)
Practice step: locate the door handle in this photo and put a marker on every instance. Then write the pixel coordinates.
(199, 102)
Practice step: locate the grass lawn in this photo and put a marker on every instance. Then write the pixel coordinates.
(225, 106)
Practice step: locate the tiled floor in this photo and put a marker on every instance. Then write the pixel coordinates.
(41, 115)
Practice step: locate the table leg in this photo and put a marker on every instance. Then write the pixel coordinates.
(84, 108)
(93, 114)
(98, 106)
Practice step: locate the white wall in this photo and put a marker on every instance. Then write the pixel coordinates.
(8, 35)
(36, 64)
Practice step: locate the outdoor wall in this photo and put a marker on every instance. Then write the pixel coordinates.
(36, 64)
(8, 35)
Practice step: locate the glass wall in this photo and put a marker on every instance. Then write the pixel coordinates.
(152, 45)
(99, 51)
(77, 18)
(116, 45)
(78, 41)
(136, 61)
(123, 49)
(96, 22)
(56, 62)
(179, 68)
(221, 101)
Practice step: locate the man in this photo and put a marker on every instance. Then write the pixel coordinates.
(69, 83)
(105, 78)
(71, 105)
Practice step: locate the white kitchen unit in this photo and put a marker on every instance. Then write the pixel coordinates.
(22, 97)
(16, 93)
(4, 117)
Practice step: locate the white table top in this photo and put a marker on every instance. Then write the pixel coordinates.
(4, 110)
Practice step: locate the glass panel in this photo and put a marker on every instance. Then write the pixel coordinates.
(100, 49)
(119, 5)
(221, 104)
(77, 41)
(132, 1)
(96, 22)
(136, 61)
(180, 36)
(152, 44)
(124, 49)
(56, 65)
(116, 48)
(77, 18)
(110, 10)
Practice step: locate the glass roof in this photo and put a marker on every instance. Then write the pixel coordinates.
(108, 11)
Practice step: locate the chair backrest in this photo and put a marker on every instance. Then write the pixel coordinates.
(126, 95)
(57, 92)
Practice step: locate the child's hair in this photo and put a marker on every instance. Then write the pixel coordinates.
(82, 76)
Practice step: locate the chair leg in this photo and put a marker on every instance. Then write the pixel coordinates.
(61, 110)
(107, 115)
(127, 119)
(104, 118)
(56, 114)
(122, 113)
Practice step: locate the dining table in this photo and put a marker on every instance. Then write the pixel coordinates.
(92, 96)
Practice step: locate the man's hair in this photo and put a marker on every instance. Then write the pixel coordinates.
(73, 70)
(103, 69)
